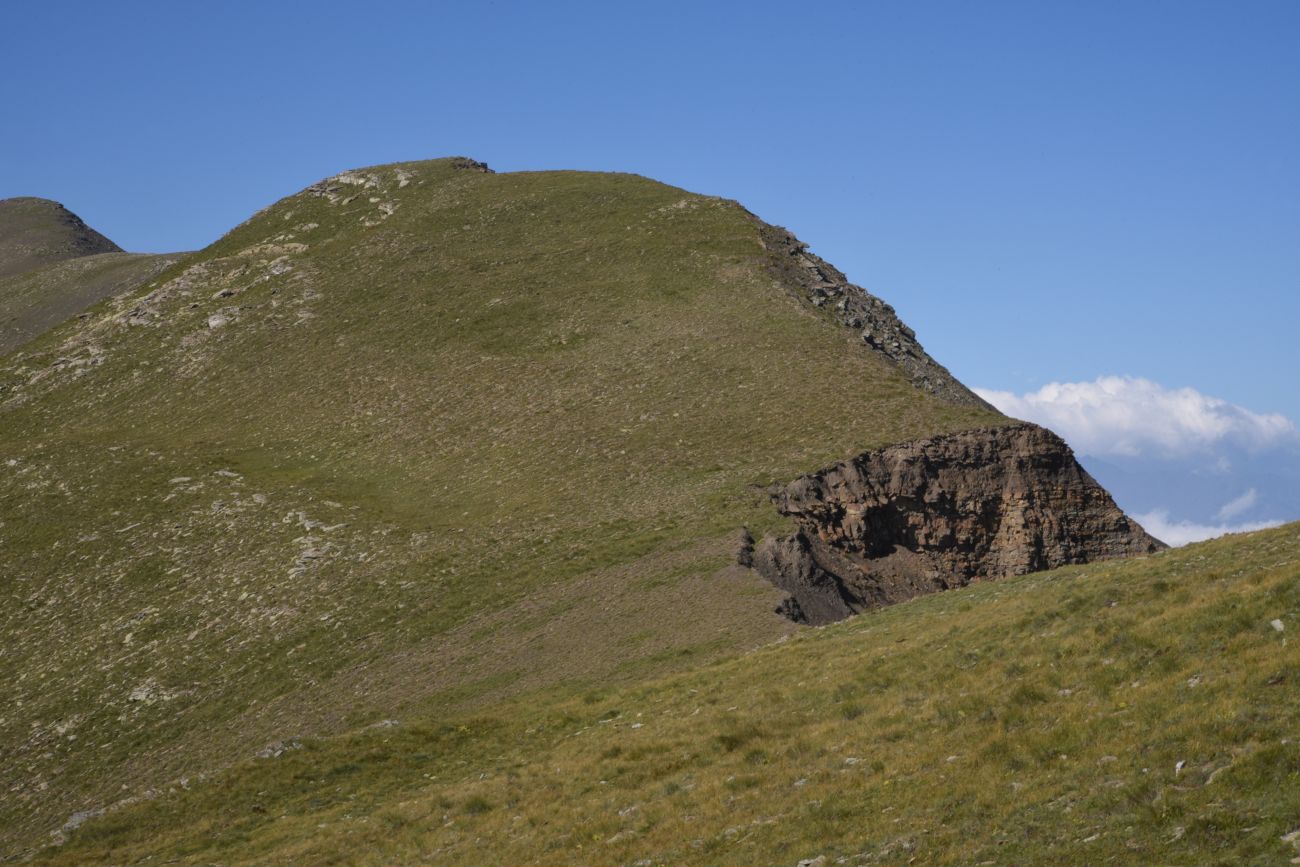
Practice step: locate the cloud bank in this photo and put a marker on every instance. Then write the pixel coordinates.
(1176, 533)
(1186, 465)
(1130, 416)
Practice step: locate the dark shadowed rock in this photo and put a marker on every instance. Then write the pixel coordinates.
(467, 164)
(744, 547)
(939, 513)
(816, 594)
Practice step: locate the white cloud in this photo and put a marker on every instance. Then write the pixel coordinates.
(1125, 415)
(1232, 508)
(1177, 533)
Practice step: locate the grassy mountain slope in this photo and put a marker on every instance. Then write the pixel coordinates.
(40, 298)
(1134, 712)
(417, 437)
(36, 232)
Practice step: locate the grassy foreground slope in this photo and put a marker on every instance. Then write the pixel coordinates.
(417, 437)
(1137, 712)
(39, 299)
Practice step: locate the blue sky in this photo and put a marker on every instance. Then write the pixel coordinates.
(1047, 192)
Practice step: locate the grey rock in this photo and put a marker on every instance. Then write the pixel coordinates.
(275, 749)
(816, 595)
(81, 817)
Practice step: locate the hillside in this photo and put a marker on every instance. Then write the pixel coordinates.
(38, 299)
(1141, 712)
(426, 437)
(53, 266)
(36, 232)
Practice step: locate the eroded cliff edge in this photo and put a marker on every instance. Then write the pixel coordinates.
(933, 514)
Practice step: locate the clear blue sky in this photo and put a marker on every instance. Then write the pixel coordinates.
(1045, 191)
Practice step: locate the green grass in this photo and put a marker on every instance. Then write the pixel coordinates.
(486, 435)
(1133, 712)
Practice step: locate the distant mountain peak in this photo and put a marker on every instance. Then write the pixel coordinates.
(36, 232)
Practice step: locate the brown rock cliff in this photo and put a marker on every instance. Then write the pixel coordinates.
(933, 514)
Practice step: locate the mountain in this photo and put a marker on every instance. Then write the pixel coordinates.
(36, 232)
(423, 440)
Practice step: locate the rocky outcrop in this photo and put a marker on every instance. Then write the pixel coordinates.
(825, 286)
(471, 165)
(929, 515)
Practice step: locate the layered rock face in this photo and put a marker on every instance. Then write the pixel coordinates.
(939, 513)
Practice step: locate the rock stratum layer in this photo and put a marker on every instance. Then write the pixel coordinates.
(939, 513)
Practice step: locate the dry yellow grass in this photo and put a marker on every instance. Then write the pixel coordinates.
(1135, 712)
